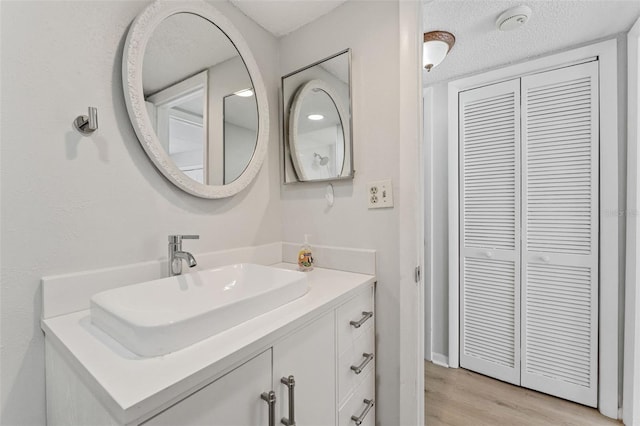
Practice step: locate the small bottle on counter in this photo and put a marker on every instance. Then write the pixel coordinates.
(305, 258)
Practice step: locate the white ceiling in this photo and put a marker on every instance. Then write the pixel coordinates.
(554, 25)
(280, 17)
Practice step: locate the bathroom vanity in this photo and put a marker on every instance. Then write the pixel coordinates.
(173, 351)
(308, 362)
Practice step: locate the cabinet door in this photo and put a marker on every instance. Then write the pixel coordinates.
(560, 233)
(490, 230)
(232, 400)
(309, 355)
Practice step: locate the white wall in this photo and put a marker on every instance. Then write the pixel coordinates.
(371, 30)
(72, 203)
(437, 167)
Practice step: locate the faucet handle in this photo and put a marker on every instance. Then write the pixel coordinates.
(177, 239)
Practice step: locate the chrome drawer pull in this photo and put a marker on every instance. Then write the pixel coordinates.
(367, 359)
(270, 398)
(360, 418)
(290, 382)
(365, 317)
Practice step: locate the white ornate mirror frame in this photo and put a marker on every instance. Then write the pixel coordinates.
(139, 34)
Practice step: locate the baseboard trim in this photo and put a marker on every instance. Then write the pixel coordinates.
(439, 359)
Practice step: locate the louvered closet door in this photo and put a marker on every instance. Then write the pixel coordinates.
(489, 230)
(560, 232)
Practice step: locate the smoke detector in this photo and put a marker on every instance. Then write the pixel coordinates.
(513, 18)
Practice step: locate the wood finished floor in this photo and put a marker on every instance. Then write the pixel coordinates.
(458, 397)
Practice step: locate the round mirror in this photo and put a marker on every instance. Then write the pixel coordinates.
(195, 98)
(316, 132)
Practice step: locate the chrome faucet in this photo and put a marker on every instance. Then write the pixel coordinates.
(176, 255)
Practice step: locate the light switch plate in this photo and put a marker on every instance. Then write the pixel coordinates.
(380, 194)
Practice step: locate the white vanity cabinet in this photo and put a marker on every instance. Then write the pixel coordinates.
(305, 359)
(232, 400)
(309, 357)
(356, 360)
(323, 342)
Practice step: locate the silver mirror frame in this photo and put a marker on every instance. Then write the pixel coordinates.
(139, 34)
(296, 106)
(286, 154)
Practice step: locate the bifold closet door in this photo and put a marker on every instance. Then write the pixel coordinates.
(489, 133)
(560, 232)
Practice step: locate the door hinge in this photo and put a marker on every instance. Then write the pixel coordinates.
(417, 274)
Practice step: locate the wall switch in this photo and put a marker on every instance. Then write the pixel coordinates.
(380, 194)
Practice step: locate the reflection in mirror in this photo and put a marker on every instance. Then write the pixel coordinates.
(317, 121)
(189, 68)
(240, 129)
(177, 114)
(317, 138)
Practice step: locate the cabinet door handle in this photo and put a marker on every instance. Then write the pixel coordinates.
(365, 317)
(289, 382)
(358, 420)
(367, 359)
(270, 398)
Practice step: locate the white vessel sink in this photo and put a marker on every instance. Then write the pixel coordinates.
(162, 316)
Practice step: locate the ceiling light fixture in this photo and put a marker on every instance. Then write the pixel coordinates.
(315, 117)
(246, 93)
(436, 46)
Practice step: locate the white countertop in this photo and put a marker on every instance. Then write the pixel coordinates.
(130, 386)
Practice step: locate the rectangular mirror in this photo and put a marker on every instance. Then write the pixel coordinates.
(317, 128)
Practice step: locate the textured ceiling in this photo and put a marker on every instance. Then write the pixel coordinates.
(553, 25)
(181, 46)
(280, 17)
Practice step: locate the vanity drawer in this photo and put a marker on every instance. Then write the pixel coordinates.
(354, 311)
(348, 379)
(356, 405)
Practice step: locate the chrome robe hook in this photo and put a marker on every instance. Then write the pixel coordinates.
(87, 124)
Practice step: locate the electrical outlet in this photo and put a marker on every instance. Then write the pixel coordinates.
(380, 194)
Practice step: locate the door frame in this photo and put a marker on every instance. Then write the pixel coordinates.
(410, 212)
(609, 344)
(631, 391)
(427, 189)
